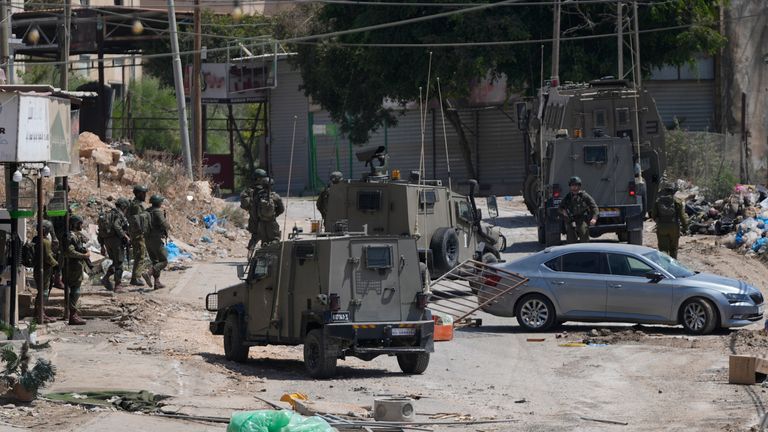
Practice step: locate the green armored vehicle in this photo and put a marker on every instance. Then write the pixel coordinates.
(606, 132)
(448, 225)
(339, 295)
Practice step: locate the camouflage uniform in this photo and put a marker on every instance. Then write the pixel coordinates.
(138, 245)
(114, 242)
(49, 262)
(670, 217)
(581, 208)
(77, 263)
(266, 206)
(322, 199)
(158, 231)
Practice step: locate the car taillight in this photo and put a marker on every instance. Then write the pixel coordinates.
(335, 302)
(555, 191)
(492, 280)
(421, 300)
(632, 190)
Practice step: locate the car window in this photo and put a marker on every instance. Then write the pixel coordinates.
(624, 265)
(582, 262)
(553, 264)
(673, 266)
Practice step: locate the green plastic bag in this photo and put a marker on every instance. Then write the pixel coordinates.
(276, 421)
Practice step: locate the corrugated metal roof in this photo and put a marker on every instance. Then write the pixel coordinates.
(44, 89)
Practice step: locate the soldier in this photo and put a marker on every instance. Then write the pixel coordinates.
(247, 194)
(77, 257)
(49, 261)
(158, 231)
(670, 217)
(112, 237)
(138, 227)
(266, 206)
(579, 211)
(322, 199)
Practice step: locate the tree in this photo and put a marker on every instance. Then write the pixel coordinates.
(154, 115)
(351, 80)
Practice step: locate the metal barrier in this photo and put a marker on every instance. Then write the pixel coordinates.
(469, 287)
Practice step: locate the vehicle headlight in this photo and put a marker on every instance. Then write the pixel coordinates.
(736, 298)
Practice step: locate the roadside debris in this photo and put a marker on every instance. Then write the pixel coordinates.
(621, 423)
(276, 421)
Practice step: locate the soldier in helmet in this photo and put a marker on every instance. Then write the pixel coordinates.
(78, 259)
(670, 217)
(138, 227)
(158, 232)
(579, 210)
(49, 260)
(264, 206)
(322, 199)
(113, 237)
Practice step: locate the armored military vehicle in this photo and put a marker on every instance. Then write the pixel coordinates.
(339, 295)
(447, 224)
(606, 132)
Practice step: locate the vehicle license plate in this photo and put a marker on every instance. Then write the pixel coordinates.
(610, 213)
(408, 331)
(340, 316)
(555, 203)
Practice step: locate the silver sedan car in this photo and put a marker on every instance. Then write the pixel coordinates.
(621, 283)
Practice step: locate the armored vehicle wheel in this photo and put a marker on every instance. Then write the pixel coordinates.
(551, 238)
(635, 238)
(445, 249)
(542, 235)
(233, 340)
(531, 193)
(622, 236)
(414, 364)
(320, 363)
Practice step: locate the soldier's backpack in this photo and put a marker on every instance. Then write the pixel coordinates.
(106, 227)
(29, 253)
(667, 213)
(267, 210)
(138, 224)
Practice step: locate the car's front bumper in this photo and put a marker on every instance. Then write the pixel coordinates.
(742, 314)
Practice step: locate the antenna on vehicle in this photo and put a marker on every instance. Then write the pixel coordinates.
(276, 296)
(423, 107)
(445, 136)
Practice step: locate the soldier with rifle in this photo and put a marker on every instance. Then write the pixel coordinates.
(78, 260)
(113, 238)
(158, 233)
(322, 199)
(579, 211)
(264, 206)
(138, 228)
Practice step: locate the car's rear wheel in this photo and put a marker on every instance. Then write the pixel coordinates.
(698, 316)
(234, 349)
(414, 364)
(535, 313)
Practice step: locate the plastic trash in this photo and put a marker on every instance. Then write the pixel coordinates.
(759, 243)
(276, 421)
(206, 239)
(210, 220)
(174, 253)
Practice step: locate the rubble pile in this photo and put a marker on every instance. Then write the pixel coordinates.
(742, 216)
(201, 224)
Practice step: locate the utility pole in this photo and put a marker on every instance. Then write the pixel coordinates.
(177, 80)
(620, 40)
(197, 102)
(64, 46)
(556, 47)
(5, 36)
(638, 70)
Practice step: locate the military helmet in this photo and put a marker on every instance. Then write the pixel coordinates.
(337, 176)
(122, 203)
(47, 226)
(140, 189)
(75, 219)
(575, 180)
(258, 173)
(156, 199)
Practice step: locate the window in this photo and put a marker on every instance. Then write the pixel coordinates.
(378, 257)
(582, 262)
(427, 200)
(600, 119)
(260, 267)
(369, 200)
(553, 264)
(595, 154)
(623, 265)
(465, 211)
(622, 116)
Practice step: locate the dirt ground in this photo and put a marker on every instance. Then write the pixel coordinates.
(649, 377)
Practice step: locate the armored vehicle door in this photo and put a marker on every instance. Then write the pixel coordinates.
(375, 274)
(605, 167)
(464, 227)
(262, 283)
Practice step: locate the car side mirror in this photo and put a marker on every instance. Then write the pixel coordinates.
(241, 271)
(654, 276)
(493, 207)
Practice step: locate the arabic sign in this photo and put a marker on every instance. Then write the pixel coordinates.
(232, 83)
(25, 135)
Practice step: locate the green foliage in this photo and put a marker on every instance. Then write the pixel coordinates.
(708, 160)
(6, 329)
(17, 369)
(352, 81)
(50, 75)
(154, 114)
(234, 215)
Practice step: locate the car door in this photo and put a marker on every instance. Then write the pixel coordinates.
(633, 296)
(578, 282)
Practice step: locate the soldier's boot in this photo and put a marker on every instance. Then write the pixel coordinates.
(57, 283)
(105, 280)
(135, 281)
(147, 275)
(158, 284)
(74, 318)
